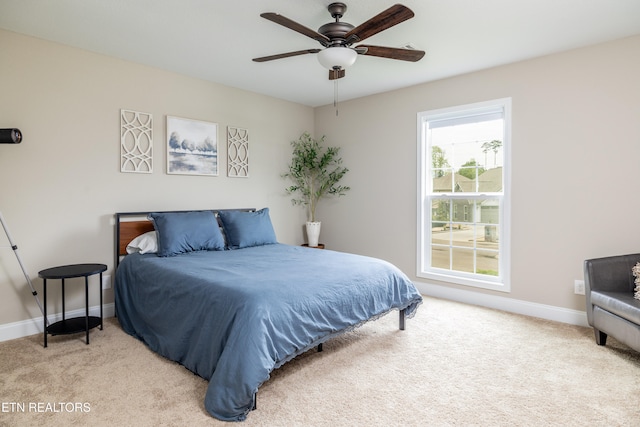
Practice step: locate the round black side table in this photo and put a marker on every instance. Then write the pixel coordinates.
(75, 324)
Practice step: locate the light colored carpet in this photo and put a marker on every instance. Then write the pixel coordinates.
(454, 365)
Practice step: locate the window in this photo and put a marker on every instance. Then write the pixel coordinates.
(463, 194)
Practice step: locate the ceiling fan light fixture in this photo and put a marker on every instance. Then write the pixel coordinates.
(337, 57)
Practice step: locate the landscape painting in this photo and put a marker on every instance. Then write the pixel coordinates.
(192, 147)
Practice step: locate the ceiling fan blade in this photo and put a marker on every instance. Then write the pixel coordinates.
(292, 25)
(412, 55)
(382, 21)
(285, 55)
(336, 74)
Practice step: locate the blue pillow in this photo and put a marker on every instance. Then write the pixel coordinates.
(181, 232)
(244, 229)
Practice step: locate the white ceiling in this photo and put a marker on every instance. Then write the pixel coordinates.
(215, 40)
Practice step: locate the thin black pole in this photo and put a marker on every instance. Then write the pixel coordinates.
(24, 271)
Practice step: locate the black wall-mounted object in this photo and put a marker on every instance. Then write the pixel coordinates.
(10, 136)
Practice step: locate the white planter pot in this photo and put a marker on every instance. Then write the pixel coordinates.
(313, 233)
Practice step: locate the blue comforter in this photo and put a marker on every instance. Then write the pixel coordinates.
(233, 316)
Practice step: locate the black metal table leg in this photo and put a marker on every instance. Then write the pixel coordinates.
(86, 305)
(63, 298)
(101, 315)
(44, 308)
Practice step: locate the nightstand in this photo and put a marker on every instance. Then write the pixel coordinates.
(320, 246)
(75, 324)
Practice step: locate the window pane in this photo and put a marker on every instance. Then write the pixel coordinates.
(462, 259)
(463, 235)
(489, 236)
(440, 212)
(487, 262)
(455, 145)
(442, 181)
(490, 181)
(440, 257)
(489, 210)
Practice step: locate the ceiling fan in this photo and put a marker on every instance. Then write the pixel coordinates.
(338, 38)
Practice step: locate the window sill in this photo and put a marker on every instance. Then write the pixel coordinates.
(495, 285)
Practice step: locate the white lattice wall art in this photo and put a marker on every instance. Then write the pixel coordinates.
(237, 152)
(136, 142)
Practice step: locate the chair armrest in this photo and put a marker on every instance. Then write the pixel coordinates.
(610, 274)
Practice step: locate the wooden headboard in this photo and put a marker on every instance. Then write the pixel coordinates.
(129, 230)
(130, 225)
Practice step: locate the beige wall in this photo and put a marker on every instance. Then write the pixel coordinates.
(575, 157)
(61, 186)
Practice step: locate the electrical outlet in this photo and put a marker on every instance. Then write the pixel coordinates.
(578, 287)
(106, 281)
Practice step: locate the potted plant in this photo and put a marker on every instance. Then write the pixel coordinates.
(315, 171)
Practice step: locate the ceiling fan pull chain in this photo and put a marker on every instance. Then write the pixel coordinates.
(335, 95)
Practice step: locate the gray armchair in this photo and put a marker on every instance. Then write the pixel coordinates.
(611, 307)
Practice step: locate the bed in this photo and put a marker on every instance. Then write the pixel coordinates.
(235, 309)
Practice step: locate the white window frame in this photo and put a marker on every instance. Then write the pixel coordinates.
(502, 281)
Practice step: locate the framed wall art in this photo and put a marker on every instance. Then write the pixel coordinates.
(237, 152)
(136, 142)
(192, 147)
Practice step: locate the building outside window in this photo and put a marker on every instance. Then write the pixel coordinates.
(463, 194)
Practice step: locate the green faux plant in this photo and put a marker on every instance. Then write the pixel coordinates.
(315, 171)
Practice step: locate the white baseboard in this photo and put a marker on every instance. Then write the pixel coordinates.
(25, 328)
(543, 311)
